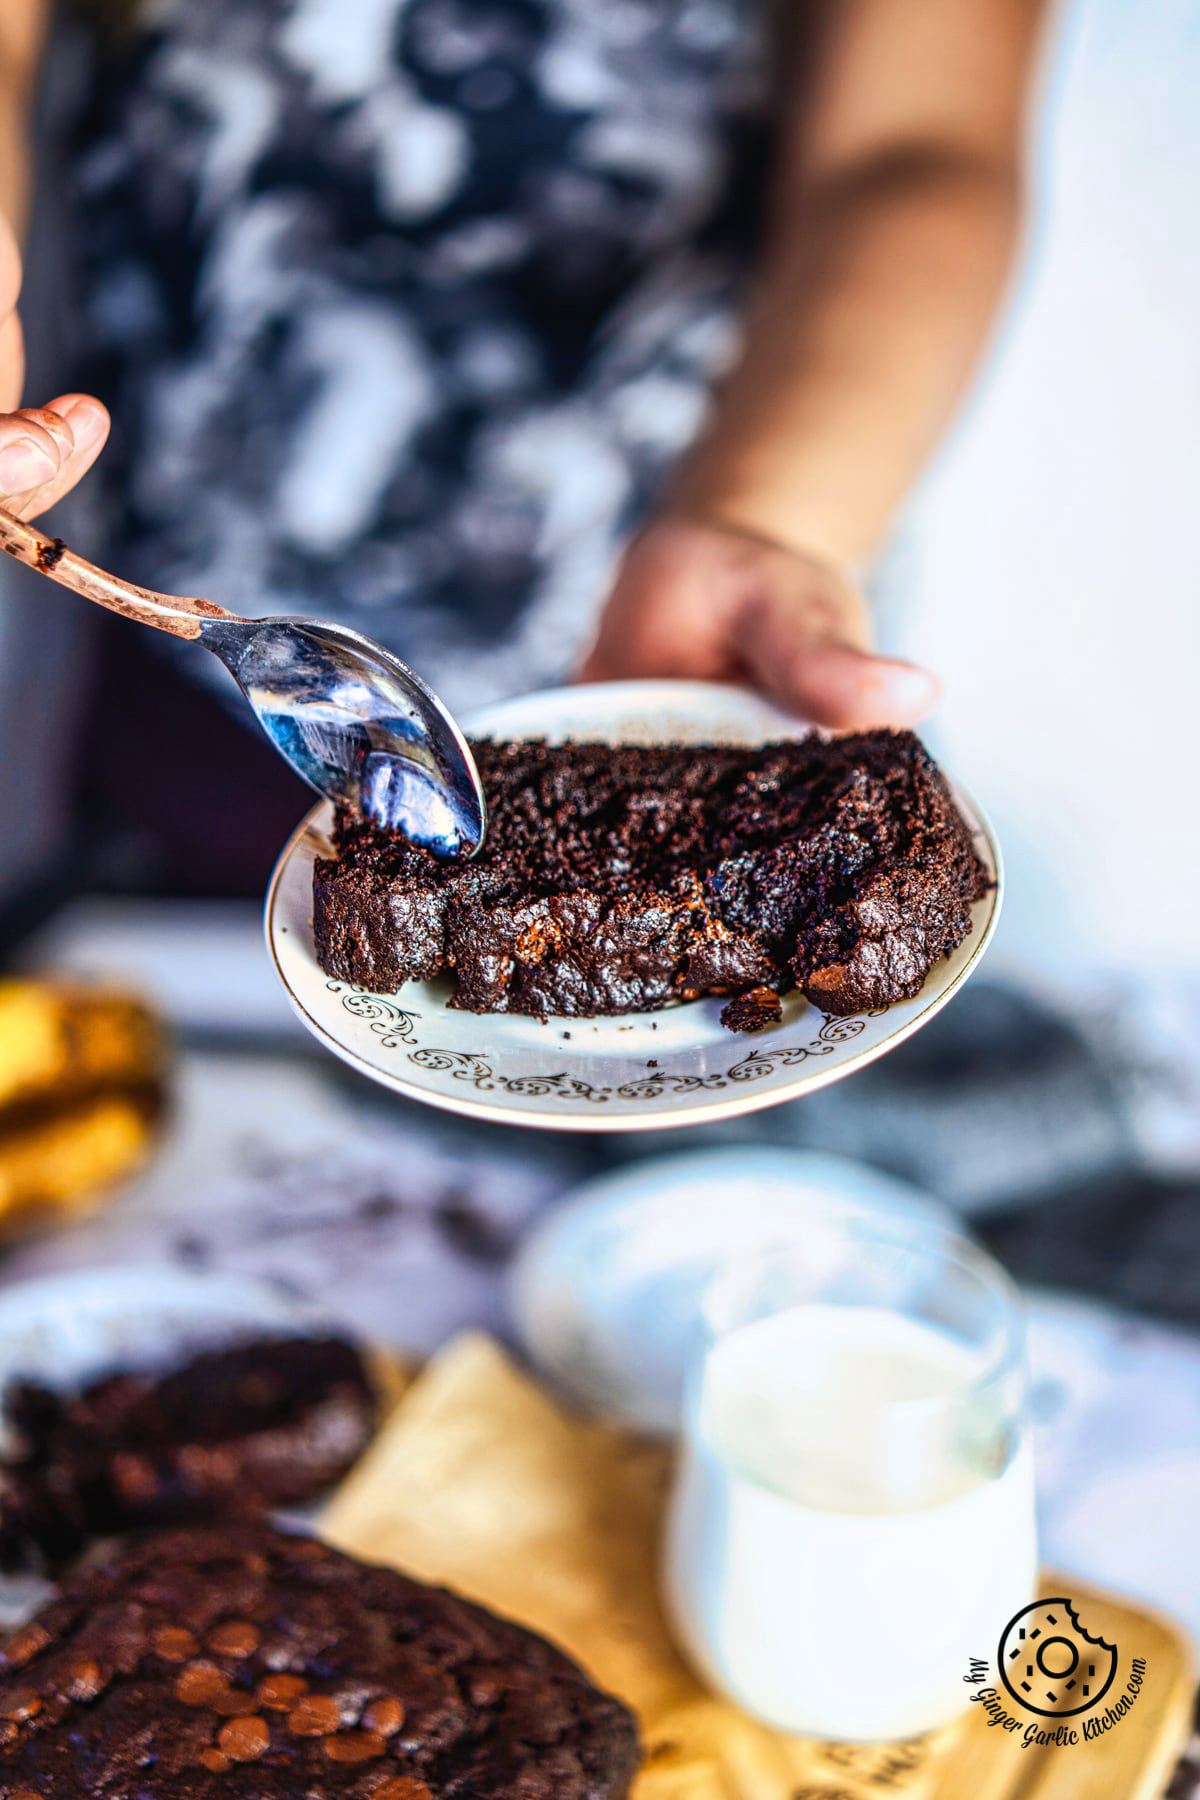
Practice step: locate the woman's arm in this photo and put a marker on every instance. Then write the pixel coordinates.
(895, 222)
(895, 218)
(43, 450)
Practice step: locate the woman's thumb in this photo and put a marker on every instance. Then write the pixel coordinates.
(809, 669)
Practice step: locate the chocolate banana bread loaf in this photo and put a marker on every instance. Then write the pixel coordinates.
(617, 878)
(237, 1431)
(237, 1662)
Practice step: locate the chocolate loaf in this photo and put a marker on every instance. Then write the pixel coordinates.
(236, 1662)
(619, 878)
(231, 1432)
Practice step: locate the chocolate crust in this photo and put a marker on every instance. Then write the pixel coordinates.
(617, 879)
(242, 1663)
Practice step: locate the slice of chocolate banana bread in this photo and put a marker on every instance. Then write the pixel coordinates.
(617, 878)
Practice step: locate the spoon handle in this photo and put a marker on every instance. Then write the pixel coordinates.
(181, 616)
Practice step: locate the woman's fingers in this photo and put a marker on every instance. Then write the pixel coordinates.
(29, 456)
(703, 602)
(88, 424)
(839, 686)
(793, 650)
(45, 450)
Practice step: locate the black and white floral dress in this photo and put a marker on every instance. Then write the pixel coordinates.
(404, 308)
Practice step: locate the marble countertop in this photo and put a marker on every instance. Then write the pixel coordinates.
(279, 1164)
(402, 1225)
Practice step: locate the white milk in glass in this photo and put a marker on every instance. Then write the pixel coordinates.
(853, 1519)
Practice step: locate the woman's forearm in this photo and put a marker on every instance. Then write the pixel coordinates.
(870, 314)
(896, 212)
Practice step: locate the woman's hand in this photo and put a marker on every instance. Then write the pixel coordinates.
(706, 603)
(893, 221)
(43, 449)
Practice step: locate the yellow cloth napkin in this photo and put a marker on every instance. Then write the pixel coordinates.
(481, 1482)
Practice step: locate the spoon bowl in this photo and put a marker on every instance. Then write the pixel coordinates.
(358, 725)
(353, 721)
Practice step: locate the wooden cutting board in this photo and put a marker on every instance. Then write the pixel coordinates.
(480, 1480)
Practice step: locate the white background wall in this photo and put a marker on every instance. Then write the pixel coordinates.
(1056, 553)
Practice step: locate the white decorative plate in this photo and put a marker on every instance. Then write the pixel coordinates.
(642, 1072)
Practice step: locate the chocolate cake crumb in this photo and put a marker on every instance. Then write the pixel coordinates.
(753, 1011)
(617, 879)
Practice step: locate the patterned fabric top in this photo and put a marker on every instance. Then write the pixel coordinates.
(404, 307)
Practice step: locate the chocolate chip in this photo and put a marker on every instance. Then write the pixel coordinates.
(85, 1679)
(245, 1740)
(354, 1747)
(25, 1645)
(280, 1692)
(200, 1684)
(235, 1638)
(384, 1715)
(175, 1643)
(315, 1716)
(134, 1477)
(24, 1704)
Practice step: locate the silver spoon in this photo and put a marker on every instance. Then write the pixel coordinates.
(348, 716)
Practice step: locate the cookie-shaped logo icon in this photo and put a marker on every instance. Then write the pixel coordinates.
(1051, 1665)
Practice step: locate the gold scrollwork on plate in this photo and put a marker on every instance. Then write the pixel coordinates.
(396, 1030)
(391, 1023)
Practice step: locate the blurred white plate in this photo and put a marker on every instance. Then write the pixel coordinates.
(636, 1073)
(605, 1291)
(65, 1331)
